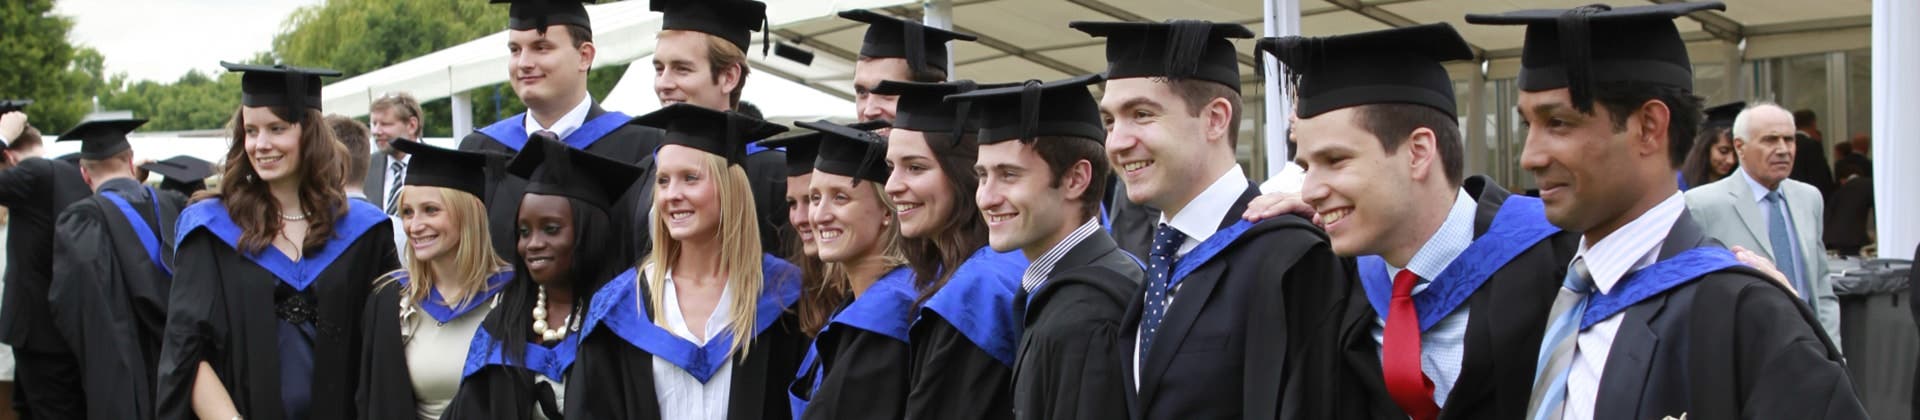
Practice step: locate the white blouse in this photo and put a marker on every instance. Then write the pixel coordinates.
(681, 396)
(436, 353)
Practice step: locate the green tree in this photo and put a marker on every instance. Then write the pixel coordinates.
(44, 67)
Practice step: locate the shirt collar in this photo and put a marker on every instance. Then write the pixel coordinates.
(1634, 245)
(1453, 237)
(567, 123)
(1759, 191)
(1201, 217)
(716, 321)
(1037, 272)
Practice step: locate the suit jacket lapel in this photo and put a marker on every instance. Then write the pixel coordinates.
(1745, 205)
(1624, 379)
(1192, 293)
(1806, 228)
(376, 179)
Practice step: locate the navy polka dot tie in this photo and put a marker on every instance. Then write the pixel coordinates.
(1166, 241)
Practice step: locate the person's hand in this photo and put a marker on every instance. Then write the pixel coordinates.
(1267, 206)
(140, 170)
(1753, 259)
(12, 124)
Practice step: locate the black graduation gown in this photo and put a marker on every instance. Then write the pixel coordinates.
(492, 388)
(386, 389)
(964, 341)
(232, 311)
(111, 297)
(1070, 346)
(1223, 343)
(857, 366)
(1506, 319)
(604, 133)
(1728, 344)
(615, 379)
(34, 192)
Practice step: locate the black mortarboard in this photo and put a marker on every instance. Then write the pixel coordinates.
(431, 166)
(184, 174)
(10, 105)
(1177, 49)
(923, 107)
(732, 20)
(1034, 109)
(539, 14)
(722, 133)
(286, 88)
(552, 168)
(849, 151)
(101, 139)
(804, 147)
(924, 47)
(1722, 116)
(1400, 65)
(1575, 48)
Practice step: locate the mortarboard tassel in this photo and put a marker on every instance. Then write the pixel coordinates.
(1029, 110)
(915, 48)
(1186, 42)
(960, 111)
(1576, 50)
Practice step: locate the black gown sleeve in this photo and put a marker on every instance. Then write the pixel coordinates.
(84, 311)
(197, 297)
(865, 378)
(611, 379)
(1785, 367)
(951, 378)
(386, 387)
(20, 184)
(1071, 355)
(498, 392)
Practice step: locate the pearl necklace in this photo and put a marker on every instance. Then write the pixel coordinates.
(540, 320)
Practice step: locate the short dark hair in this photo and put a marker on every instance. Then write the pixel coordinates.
(580, 35)
(1197, 93)
(352, 134)
(1060, 153)
(1392, 123)
(1684, 111)
(29, 137)
(1804, 118)
(915, 72)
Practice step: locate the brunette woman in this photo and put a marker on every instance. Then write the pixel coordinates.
(519, 362)
(272, 272)
(420, 320)
(857, 366)
(818, 298)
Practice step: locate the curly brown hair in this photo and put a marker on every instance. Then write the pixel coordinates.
(251, 204)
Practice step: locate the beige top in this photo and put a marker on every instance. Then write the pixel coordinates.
(436, 353)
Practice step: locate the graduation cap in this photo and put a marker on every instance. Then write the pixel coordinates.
(803, 148)
(722, 133)
(923, 107)
(539, 14)
(101, 139)
(1722, 116)
(849, 151)
(732, 20)
(924, 47)
(552, 168)
(1399, 65)
(287, 88)
(1177, 49)
(11, 105)
(1034, 109)
(1575, 48)
(185, 174)
(431, 166)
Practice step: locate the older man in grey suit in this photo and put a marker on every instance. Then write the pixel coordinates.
(1761, 209)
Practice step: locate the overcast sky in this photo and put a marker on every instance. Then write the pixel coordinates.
(161, 39)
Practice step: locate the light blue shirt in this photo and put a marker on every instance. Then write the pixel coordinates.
(1443, 346)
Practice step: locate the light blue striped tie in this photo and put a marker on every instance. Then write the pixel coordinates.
(1556, 351)
(1786, 254)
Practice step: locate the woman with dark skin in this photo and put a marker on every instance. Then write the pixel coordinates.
(519, 362)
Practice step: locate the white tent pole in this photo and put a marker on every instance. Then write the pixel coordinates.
(1895, 101)
(1282, 19)
(462, 113)
(939, 14)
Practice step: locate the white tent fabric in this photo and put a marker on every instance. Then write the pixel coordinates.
(623, 32)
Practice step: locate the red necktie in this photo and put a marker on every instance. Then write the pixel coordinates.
(1400, 353)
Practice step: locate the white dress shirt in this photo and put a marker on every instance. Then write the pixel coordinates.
(1199, 219)
(681, 396)
(1037, 272)
(1444, 346)
(1632, 247)
(569, 122)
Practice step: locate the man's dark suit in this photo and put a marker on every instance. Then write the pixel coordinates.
(376, 185)
(47, 376)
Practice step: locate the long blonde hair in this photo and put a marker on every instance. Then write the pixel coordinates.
(739, 251)
(473, 256)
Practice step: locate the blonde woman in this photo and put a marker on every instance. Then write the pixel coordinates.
(421, 320)
(857, 366)
(701, 329)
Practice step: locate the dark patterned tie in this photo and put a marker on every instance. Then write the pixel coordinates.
(399, 169)
(1166, 241)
